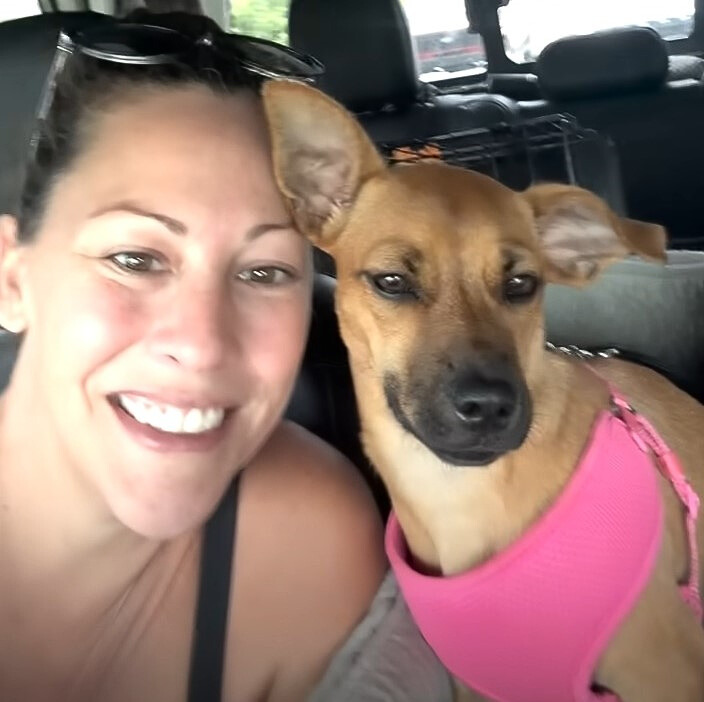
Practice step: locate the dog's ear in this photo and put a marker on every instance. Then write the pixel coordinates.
(581, 235)
(322, 156)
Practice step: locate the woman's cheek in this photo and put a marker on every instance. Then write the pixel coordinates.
(276, 338)
(99, 316)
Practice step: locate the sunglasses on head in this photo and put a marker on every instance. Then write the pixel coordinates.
(134, 44)
(152, 45)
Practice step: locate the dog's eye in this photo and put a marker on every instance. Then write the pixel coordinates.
(392, 285)
(520, 288)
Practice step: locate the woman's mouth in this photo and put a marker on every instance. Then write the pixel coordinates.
(169, 418)
(160, 426)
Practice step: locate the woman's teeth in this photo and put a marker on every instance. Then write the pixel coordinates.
(174, 420)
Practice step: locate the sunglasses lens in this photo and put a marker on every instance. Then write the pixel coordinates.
(275, 58)
(133, 43)
(152, 45)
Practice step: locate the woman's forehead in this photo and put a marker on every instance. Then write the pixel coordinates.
(191, 154)
(184, 121)
(181, 146)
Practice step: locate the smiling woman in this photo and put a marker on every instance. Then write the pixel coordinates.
(163, 300)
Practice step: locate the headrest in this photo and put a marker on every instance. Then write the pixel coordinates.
(443, 114)
(27, 48)
(686, 67)
(519, 86)
(632, 59)
(365, 46)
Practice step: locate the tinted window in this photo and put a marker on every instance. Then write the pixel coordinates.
(14, 9)
(261, 18)
(528, 26)
(441, 39)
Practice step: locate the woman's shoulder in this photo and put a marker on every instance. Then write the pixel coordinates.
(297, 458)
(309, 559)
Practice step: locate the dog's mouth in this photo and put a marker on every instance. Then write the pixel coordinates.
(466, 458)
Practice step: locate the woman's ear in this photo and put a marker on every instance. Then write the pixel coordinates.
(12, 312)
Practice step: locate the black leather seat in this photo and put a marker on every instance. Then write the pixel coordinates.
(323, 400)
(614, 62)
(367, 50)
(617, 83)
(27, 47)
(525, 86)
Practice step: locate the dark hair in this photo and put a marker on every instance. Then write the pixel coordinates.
(87, 88)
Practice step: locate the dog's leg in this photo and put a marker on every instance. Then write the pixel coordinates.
(658, 653)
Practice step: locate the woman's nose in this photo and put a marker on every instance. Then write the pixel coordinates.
(192, 327)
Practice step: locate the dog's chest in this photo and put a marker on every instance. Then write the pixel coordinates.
(545, 608)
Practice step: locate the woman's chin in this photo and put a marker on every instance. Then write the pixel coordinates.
(166, 512)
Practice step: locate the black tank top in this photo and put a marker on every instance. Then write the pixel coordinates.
(213, 605)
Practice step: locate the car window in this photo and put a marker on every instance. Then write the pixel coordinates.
(441, 40)
(261, 18)
(14, 9)
(528, 26)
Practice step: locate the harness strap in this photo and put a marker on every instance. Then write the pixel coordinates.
(649, 441)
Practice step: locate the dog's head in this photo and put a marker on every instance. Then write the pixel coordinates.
(440, 272)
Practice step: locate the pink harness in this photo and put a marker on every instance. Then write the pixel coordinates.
(529, 625)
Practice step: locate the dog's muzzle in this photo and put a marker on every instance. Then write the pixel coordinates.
(468, 418)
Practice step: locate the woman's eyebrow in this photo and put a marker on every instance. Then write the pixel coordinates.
(178, 227)
(173, 225)
(260, 229)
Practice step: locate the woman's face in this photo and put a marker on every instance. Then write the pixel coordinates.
(165, 303)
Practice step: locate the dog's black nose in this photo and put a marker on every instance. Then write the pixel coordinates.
(485, 404)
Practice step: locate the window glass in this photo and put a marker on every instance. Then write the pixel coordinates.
(14, 9)
(528, 26)
(442, 43)
(261, 18)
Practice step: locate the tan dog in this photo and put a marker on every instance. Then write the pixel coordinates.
(440, 273)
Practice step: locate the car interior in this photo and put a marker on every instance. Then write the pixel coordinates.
(616, 110)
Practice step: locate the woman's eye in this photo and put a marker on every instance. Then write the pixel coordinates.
(136, 262)
(520, 288)
(266, 275)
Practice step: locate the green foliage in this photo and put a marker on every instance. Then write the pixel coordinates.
(261, 18)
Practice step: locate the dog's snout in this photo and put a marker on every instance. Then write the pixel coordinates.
(469, 414)
(480, 411)
(485, 404)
